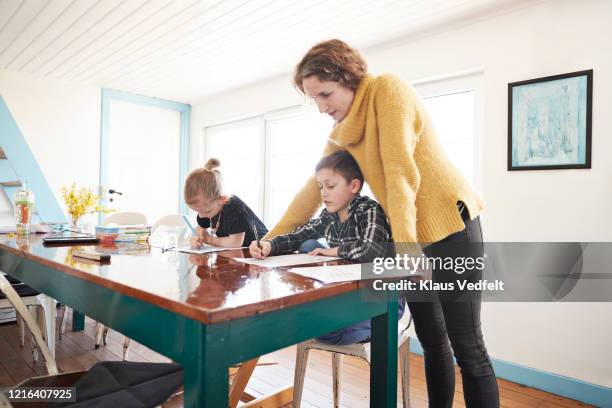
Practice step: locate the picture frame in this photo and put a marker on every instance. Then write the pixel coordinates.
(549, 122)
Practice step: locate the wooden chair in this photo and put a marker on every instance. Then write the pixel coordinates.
(360, 350)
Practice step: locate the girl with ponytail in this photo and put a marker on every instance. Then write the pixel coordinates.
(231, 222)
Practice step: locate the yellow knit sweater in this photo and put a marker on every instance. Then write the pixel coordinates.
(392, 139)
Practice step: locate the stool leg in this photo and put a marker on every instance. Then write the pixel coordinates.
(49, 311)
(21, 326)
(62, 329)
(37, 313)
(99, 334)
(126, 346)
(404, 356)
(336, 370)
(104, 335)
(301, 360)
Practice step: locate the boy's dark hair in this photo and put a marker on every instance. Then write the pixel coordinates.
(343, 163)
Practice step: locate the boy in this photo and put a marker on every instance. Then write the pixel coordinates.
(354, 226)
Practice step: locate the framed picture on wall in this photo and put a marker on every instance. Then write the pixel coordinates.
(549, 122)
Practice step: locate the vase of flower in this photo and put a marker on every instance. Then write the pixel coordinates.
(75, 223)
(24, 208)
(80, 201)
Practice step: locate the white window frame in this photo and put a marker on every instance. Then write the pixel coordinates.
(264, 120)
(288, 113)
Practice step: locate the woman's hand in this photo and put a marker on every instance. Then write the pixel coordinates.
(324, 251)
(258, 252)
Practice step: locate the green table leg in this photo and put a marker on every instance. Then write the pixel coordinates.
(383, 370)
(78, 321)
(206, 372)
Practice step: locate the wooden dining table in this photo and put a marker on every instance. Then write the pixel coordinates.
(207, 312)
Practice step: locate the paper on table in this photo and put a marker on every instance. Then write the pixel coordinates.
(205, 249)
(330, 274)
(287, 260)
(34, 228)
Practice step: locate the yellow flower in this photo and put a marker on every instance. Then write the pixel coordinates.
(81, 201)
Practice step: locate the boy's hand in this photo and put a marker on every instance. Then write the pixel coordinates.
(260, 253)
(324, 251)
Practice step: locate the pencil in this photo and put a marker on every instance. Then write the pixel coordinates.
(193, 231)
(256, 236)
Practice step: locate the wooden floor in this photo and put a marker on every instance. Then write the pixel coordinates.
(76, 352)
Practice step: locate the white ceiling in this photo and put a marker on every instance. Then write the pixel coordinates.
(185, 50)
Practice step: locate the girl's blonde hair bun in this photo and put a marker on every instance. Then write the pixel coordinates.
(212, 163)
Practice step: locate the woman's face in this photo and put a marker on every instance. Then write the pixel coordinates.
(331, 97)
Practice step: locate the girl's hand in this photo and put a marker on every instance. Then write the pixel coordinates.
(207, 239)
(260, 253)
(199, 239)
(324, 251)
(195, 242)
(203, 236)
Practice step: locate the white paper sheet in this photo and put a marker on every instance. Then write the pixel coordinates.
(330, 274)
(204, 250)
(286, 260)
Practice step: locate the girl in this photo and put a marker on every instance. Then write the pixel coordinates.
(233, 224)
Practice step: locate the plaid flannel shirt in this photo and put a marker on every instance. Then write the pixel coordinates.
(362, 237)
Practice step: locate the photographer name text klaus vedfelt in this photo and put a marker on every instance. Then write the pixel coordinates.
(428, 285)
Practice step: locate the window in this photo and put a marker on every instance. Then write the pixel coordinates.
(454, 105)
(453, 118)
(281, 147)
(238, 146)
(296, 141)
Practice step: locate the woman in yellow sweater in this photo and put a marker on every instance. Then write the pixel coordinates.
(382, 123)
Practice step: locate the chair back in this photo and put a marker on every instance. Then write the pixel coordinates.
(170, 220)
(22, 309)
(125, 218)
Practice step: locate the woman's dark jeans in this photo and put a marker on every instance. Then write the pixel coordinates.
(456, 317)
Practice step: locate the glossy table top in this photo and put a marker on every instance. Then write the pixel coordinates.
(210, 287)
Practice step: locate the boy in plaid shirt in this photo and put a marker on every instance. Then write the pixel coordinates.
(354, 226)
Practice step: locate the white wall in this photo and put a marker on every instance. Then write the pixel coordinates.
(564, 205)
(61, 123)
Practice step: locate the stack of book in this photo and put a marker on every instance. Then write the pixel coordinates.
(123, 233)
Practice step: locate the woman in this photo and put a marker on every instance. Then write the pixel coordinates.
(382, 123)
